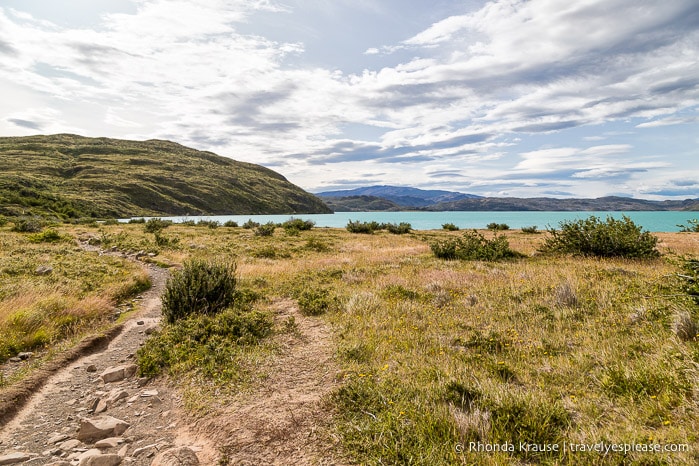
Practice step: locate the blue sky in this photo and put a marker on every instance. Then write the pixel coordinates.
(503, 98)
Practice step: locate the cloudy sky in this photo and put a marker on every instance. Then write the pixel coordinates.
(556, 98)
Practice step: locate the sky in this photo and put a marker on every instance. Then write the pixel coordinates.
(530, 98)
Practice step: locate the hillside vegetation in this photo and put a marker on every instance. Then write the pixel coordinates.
(71, 176)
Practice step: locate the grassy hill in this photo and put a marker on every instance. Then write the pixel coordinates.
(72, 176)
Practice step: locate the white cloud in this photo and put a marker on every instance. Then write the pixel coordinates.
(467, 91)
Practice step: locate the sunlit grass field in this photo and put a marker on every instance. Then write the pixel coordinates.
(438, 357)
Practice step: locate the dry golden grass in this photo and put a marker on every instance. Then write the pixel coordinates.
(78, 295)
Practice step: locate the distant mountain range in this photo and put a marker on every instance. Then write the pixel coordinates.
(398, 197)
(395, 198)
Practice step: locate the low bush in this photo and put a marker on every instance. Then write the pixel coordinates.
(165, 242)
(474, 246)
(531, 230)
(498, 226)
(137, 220)
(363, 227)
(213, 224)
(28, 225)
(230, 224)
(48, 235)
(201, 287)
(250, 224)
(692, 226)
(156, 225)
(265, 230)
(450, 227)
(399, 229)
(316, 302)
(593, 237)
(207, 345)
(298, 224)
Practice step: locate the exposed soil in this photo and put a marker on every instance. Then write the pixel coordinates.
(284, 420)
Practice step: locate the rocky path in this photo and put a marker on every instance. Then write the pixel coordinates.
(96, 411)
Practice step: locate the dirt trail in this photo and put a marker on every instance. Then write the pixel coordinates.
(282, 421)
(46, 427)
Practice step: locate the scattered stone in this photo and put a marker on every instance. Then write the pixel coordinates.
(68, 445)
(148, 393)
(111, 442)
(25, 355)
(15, 359)
(71, 402)
(101, 428)
(101, 406)
(59, 463)
(147, 449)
(91, 368)
(14, 457)
(116, 395)
(109, 459)
(44, 270)
(142, 381)
(151, 330)
(123, 450)
(57, 438)
(117, 373)
(180, 456)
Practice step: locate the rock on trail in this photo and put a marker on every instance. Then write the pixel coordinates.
(97, 412)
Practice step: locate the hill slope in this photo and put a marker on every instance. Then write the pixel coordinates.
(75, 176)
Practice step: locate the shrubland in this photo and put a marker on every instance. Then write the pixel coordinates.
(435, 352)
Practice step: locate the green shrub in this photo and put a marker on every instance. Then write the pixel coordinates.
(154, 225)
(316, 302)
(201, 287)
(690, 278)
(188, 223)
(399, 229)
(318, 245)
(692, 226)
(49, 235)
(230, 224)
(137, 220)
(450, 227)
(592, 237)
(298, 224)
(111, 221)
(213, 224)
(250, 224)
(498, 226)
(531, 230)
(28, 225)
(363, 227)
(164, 241)
(474, 246)
(265, 230)
(207, 345)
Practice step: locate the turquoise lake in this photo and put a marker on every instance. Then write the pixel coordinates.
(664, 221)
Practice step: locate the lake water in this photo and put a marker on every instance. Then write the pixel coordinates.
(664, 221)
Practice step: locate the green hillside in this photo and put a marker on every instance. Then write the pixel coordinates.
(73, 176)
